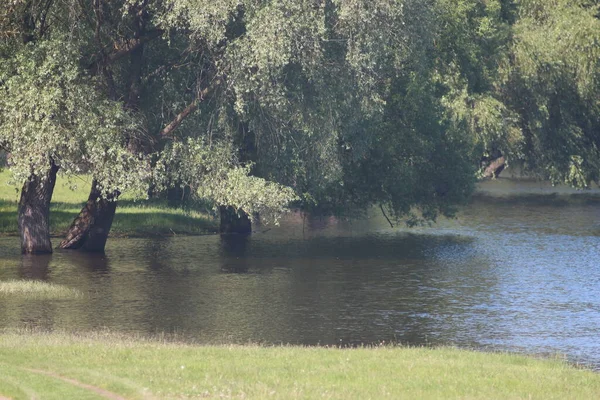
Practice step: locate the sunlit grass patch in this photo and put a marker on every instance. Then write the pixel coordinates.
(156, 218)
(36, 290)
(140, 368)
(134, 217)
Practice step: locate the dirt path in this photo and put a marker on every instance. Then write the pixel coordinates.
(102, 392)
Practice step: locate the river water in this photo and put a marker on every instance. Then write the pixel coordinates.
(505, 275)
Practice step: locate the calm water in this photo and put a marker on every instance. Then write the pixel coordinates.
(504, 275)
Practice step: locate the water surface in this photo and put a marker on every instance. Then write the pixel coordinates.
(519, 276)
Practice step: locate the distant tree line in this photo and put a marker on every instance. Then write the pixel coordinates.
(327, 105)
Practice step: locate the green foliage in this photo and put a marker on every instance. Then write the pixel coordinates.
(253, 195)
(552, 82)
(52, 111)
(416, 159)
(472, 39)
(522, 78)
(303, 99)
(213, 173)
(472, 36)
(347, 103)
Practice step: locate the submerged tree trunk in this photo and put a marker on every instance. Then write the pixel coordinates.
(234, 222)
(34, 213)
(89, 231)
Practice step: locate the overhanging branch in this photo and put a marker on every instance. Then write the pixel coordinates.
(168, 130)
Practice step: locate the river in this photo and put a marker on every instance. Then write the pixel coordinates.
(505, 275)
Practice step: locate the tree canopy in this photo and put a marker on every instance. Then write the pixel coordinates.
(332, 105)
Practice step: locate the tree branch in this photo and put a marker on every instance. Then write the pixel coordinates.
(168, 130)
(127, 48)
(46, 10)
(385, 215)
(178, 63)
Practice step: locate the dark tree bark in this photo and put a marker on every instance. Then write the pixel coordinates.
(98, 233)
(34, 213)
(178, 195)
(189, 109)
(234, 222)
(89, 231)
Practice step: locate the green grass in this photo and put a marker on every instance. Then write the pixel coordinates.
(36, 290)
(57, 366)
(135, 217)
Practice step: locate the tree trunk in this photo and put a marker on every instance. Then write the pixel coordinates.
(89, 231)
(178, 196)
(233, 221)
(34, 213)
(495, 167)
(98, 234)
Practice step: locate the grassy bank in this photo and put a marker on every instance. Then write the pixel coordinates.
(58, 366)
(134, 216)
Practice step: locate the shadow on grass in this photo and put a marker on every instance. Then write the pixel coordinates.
(133, 218)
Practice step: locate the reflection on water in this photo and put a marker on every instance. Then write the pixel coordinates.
(234, 253)
(35, 267)
(503, 275)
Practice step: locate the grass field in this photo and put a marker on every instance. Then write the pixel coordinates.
(134, 216)
(59, 366)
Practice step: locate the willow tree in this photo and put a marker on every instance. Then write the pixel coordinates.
(522, 78)
(472, 40)
(253, 103)
(176, 68)
(396, 148)
(309, 94)
(52, 114)
(551, 84)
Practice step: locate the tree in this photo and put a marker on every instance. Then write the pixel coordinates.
(399, 152)
(201, 50)
(286, 89)
(336, 105)
(472, 40)
(550, 83)
(52, 116)
(244, 100)
(521, 76)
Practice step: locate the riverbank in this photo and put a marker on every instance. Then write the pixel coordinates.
(512, 188)
(135, 217)
(49, 366)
